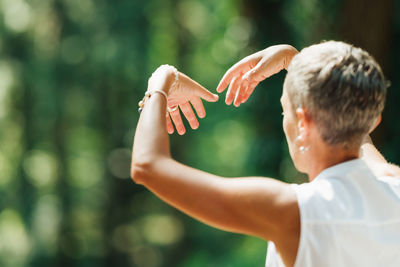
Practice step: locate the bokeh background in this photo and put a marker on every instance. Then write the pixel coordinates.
(71, 74)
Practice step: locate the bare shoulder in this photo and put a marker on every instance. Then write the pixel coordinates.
(392, 170)
(385, 169)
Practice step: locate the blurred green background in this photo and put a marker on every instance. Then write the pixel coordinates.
(71, 74)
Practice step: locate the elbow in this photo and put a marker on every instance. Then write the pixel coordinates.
(140, 170)
(144, 168)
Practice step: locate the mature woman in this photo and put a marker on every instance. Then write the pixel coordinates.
(333, 95)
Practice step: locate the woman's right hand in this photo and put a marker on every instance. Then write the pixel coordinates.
(245, 75)
(186, 95)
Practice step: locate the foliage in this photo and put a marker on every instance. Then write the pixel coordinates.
(71, 74)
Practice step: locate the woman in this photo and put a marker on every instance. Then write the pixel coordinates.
(333, 96)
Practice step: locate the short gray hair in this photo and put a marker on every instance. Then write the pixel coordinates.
(342, 88)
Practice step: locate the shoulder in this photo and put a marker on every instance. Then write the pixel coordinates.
(385, 169)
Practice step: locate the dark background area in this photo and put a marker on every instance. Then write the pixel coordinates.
(71, 74)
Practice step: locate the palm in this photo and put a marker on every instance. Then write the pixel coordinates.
(181, 95)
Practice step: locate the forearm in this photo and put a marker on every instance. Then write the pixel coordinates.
(151, 138)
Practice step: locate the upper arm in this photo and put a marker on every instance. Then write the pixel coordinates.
(263, 207)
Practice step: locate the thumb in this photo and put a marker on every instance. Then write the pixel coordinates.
(202, 92)
(207, 95)
(198, 89)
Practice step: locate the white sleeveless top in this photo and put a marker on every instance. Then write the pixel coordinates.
(349, 217)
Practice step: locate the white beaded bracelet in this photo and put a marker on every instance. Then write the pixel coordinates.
(147, 95)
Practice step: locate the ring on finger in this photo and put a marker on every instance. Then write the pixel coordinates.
(172, 109)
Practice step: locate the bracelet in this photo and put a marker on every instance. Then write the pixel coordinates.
(148, 94)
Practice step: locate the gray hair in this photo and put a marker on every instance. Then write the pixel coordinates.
(342, 88)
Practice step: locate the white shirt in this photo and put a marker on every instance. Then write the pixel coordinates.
(349, 217)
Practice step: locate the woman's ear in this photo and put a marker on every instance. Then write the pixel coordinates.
(303, 121)
(378, 121)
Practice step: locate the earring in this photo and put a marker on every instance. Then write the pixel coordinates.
(302, 149)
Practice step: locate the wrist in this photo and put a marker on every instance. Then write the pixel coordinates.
(171, 79)
(162, 81)
(290, 52)
(168, 78)
(282, 54)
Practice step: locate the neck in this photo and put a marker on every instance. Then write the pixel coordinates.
(327, 157)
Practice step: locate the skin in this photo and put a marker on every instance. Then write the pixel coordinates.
(245, 75)
(258, 206)
(187, 95)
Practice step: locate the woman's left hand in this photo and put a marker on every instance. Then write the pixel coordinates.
(186, 95)
(246, 74)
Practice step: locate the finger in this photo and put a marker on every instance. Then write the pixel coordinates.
(198, 106)
(236, 103)
(170, 127)
(234, 71)
(176, 118)
(240, 94)
(189, 114)
(227, 78)
(233, 87)
(198, 88)
(249, 91)
(207, 95)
